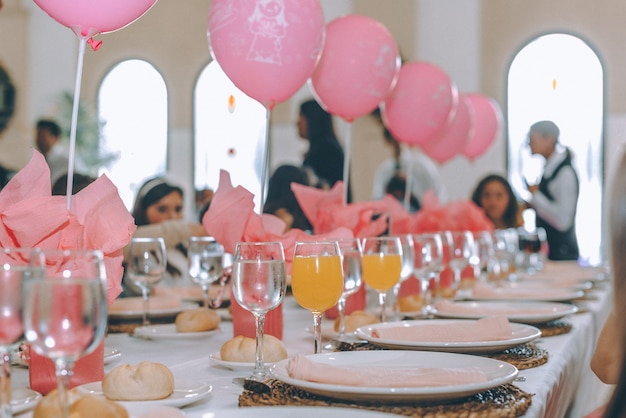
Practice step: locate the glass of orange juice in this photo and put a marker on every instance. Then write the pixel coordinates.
(382, 266)
(317, 280)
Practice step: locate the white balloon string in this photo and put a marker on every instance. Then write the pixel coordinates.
(409, 182)
(266, 161)
(346, 162)
(72, 151)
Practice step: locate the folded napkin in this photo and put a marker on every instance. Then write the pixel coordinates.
(231, 218)
(461, 215)
(450, 307)
(302, 368)
(492, 328)
(486, 291)
(31, 217)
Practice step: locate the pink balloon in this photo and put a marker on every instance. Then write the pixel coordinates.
(421, 105)
(268, 48)
(358, 67)
(487, 124)
(454, 138)
(89, 18)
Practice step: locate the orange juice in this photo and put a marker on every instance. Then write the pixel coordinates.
(317, 281)
(381, 271)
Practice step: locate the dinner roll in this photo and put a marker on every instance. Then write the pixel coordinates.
(411, 303)
(243, 349)
(143, 382)
(81, 406)
(197, 320)
(357, 319)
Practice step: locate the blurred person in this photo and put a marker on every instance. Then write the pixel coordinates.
(325, 155)
(48, 142)
(495, 196)
(281, 201)
(79, 182)
(7, 89)
(555, 198)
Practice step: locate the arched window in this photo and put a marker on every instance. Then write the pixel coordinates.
(132, 104)
(559, 77)
(230, 133)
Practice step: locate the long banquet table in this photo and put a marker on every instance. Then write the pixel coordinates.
(563, 387)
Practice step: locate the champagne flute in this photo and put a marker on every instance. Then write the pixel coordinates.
(13, 272)
(382, 266)
(65, 310)
(146, 267)
(259, 282)
(428, 264)
(317, 280)
(205, 260)
(351, 256)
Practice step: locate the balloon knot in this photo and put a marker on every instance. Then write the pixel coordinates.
(95, 45)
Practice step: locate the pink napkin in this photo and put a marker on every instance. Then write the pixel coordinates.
(302, 368)
(461, 215)
(492, 328)
(485, 291)
(449, 307)
(326, 211)
(231, 218)
(31, 217)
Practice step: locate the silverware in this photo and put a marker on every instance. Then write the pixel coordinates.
(256, 386)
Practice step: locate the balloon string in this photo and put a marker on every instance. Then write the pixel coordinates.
(72, 151)
(346, 162)
(266, 152)
(409, 182)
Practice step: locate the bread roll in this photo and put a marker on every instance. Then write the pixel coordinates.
(143, 382)
(81, 406)
(357, 319)
(243, 349)
(197, 320)
(411, 303)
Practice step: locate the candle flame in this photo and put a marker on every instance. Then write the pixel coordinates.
(231, 103)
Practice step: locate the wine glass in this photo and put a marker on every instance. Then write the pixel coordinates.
(317, 280)
(428, 264)
(146, 267)
(65, 310)
(205, 262)
(462, 253)
(408, 257)
(13, 272)
(351, 256)
(382, 266)
(259, 282)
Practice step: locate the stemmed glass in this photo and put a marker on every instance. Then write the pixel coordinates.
(408, 261)
(428, 264)
(205, 262)
(351, 255)
(146, 267)
(317, 280)
(462, 252)
(382, 266)
(65, 310)
(13, 272)
(259, 282)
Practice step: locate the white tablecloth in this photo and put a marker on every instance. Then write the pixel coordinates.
(563, 387)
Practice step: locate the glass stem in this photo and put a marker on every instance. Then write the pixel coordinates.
(64, 371)
(5, 384)
(259, 365)
(207, 298)
(396, 306)
(382, 299)
(341, 309)
(145, 293)
(317, 331)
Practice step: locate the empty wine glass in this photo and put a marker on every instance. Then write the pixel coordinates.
(317, 280)
(13, 272)
(351, 255)
(462, 249)
(65, 310)
(259, 282)
(428, 264)
(205, 262)
(146, 266)
(382, 266)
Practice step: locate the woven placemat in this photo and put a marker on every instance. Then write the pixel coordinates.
(502, 401)
(525, 356)
(552, 328)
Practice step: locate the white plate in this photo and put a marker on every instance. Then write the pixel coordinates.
(298, 411)
(526, 312)
(23, 400)
(185, 392)
(521, 334)
(233, 365)
(168, 331)
(498, 373)
(111, 354)
(159, 306)
(530, 294)
(153, 411)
